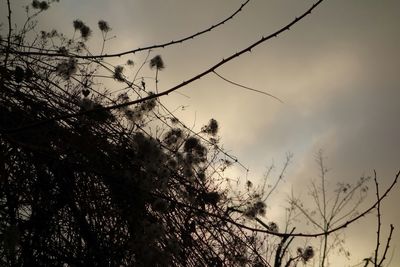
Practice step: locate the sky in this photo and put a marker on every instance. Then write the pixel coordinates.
(337, 72)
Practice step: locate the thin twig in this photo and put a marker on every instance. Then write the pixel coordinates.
(387, 245)
(247, 88)
(344, 225)
(289, 156)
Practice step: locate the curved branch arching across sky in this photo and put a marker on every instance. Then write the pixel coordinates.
(136, 50)
(176, 87)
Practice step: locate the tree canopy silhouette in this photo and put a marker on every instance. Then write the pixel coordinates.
(94, 176)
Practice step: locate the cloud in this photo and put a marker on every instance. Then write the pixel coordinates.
(337, 72)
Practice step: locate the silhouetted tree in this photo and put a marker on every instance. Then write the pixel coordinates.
(97, 177)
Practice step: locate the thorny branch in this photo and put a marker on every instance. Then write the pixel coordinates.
(375, 260)
(176, 87)
(133, 51)
(378, 208)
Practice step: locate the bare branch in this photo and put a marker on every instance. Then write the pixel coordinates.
(344, 225)
(387, 245)
(378, 208)
(176, 87)
(133, 51)
(247, 88)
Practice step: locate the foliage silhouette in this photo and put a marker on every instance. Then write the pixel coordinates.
(85, 180)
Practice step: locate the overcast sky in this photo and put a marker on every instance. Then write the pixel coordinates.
(337, 72)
